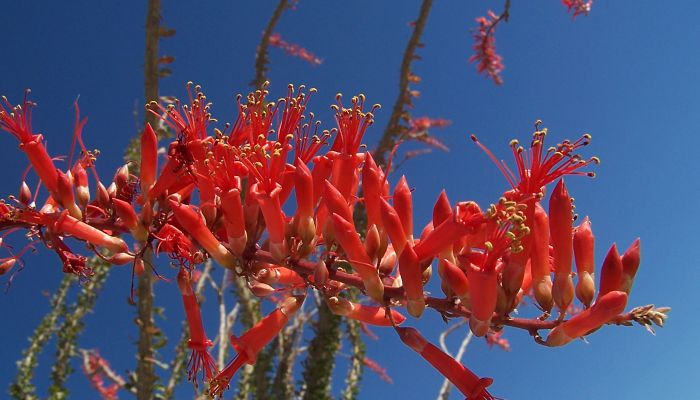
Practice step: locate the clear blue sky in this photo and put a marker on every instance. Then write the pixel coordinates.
(627, 74)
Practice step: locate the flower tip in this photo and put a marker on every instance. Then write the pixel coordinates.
(416, 307)
(560, 189)
(412, 338)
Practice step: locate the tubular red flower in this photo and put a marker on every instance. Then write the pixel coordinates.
(234, 220)
(560, 228)
(483, 287)
(466, 218)
(281, 276)
(269, 203)
(352, 124)
(442, 210)
(249, 345)
(80, 181)
(149, 158)
(336, 203)
(167, 178)
(605, 308)
(64, 191)
(192, 222)
(319, 173)
(172, 240)
(189, 121)
(18, 122)
(303, 189)
(393, 227)
(374, 188)
(541, 269)
(464, 380)
(630, 264)
(66, 224)
(412, 279)
(200, 359)
(584, 243)
(350, 241)
(611, 272)
(344, 174)
(126, 213)
(454, 278)
(368, 314)
(538, 167)
(404, 206)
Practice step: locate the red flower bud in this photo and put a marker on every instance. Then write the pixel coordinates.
(350, 241)
(630, 264)
(483, 285)
(192, 222)
(411, 276)
(466, 218)
(404, 207)
(611, 272)
(541, 279)
(393, 227)
(560, 220)
(584, 243)
(606, 307)
(65, 194)
(368, 314)
(80, 181)
(234, 220)
(149, 158)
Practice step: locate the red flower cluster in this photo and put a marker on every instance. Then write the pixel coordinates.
(485, 56)
(97, 370)
(294, 49)
(220, 195)
(578, 6)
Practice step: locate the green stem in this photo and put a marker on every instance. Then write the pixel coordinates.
(145, 374)
(320, 361)
(23, 388)
(357, 365)
(73, 326)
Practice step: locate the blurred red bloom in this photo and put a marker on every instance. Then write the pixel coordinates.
(485, 56)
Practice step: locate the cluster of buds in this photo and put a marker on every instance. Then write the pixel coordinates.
(226, 195)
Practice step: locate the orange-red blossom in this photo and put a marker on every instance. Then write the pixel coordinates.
(242, 179)
(605, 308)
(464, 380)
(250, 343)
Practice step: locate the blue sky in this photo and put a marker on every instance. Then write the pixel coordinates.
(627, 74)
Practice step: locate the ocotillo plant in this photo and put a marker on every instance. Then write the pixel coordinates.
(220, 195)
(289, 210)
